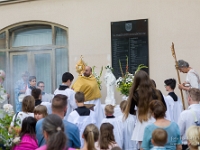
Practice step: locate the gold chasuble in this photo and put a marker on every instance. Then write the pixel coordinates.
(87, 85)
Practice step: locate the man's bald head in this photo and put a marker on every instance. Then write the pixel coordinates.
(88, 71)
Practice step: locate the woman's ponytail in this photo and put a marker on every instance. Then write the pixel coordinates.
(91, 135)
(54, 128)
(90, 141)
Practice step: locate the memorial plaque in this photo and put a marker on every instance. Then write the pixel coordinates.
(129, 39)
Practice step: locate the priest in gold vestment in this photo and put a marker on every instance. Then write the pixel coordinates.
(87, 84)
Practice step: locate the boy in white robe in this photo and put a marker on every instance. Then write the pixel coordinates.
(128, 127)
(64, 89)
(118, 128)
(81, 116)
(173, 102)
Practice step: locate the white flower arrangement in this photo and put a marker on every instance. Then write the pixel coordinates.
(6, 136)
(8, 108)
(125, 82)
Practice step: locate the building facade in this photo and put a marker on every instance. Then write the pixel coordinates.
(47, 37)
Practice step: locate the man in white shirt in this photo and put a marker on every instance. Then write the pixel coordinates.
(192, 78)
(64, 89)
(45, 97)
(191, 116)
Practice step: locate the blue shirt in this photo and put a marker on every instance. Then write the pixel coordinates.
(158, 148)
(173, 139)
(71, 131)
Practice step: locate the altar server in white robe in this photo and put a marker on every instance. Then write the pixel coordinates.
(128, 125)
(173, 102)
(87, 84)
(118, 128)
(64, 89)
(81, 116)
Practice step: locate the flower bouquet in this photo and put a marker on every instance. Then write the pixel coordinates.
(6, 137)
(125, 82)
(3, 95)
(97, 76)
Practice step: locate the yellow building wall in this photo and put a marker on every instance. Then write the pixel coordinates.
(89, 29)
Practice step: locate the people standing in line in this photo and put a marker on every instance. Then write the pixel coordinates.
(27, 135)
(64, 89)
(157, 110)
(174, 104)
(90, 136)
(59, 107)
(81, 116)
(45, 97)
(192, 78)
(32, 83)
(141, 94)
(87, 84)
(106, 139)
(191, 116)
(20, 89)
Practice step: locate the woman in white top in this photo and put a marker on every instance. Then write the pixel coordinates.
(28, 105)
(141, 94)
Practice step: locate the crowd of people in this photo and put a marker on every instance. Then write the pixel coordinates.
(148, 120)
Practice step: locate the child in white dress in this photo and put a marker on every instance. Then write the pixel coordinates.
(118, 129)
(128, 125)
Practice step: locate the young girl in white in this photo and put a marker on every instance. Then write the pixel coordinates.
(110, 118)
(128, 125)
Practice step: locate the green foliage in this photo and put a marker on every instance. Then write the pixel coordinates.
(99, 82)
(125, 82)
(5, 137)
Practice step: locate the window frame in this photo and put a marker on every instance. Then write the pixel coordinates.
(9, 49)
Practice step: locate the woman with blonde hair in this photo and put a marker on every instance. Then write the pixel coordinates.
(141, 94)
(193, 138)
(90, 136)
